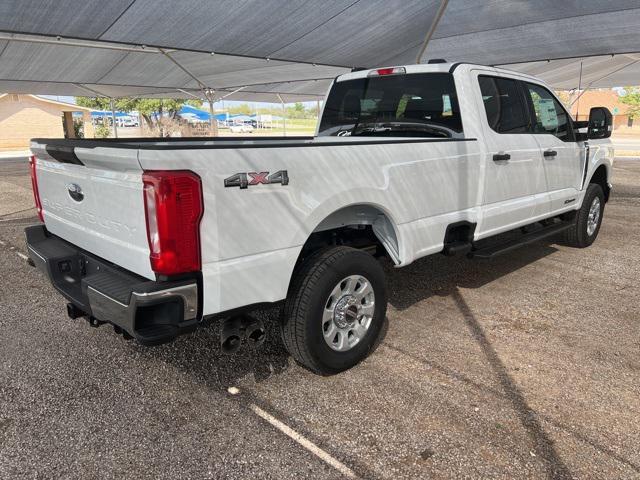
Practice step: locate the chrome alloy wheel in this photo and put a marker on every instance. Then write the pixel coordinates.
(594, 216)
(348, 313)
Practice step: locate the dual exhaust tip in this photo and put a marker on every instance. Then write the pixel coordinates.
(235, 329)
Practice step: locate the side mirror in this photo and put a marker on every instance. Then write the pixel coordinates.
(600, 123)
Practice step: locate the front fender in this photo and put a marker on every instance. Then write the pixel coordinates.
(600, 153)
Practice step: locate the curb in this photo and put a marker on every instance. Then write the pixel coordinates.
(14, 155)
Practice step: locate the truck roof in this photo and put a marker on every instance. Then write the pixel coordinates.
(436, 67)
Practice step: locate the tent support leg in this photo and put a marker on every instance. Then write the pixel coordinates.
(284, 115)
(213, 123)
(113, 118)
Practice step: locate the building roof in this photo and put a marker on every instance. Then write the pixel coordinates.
(65, 107)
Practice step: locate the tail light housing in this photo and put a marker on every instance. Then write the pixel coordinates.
(173, 207)
(34, 186)
(380, 72)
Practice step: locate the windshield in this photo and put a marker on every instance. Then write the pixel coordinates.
(409, 105)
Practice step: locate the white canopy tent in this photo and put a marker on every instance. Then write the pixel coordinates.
(267, 50)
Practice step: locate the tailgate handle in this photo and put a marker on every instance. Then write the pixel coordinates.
(501, 156)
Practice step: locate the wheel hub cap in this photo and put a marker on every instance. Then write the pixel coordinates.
(348, 313)
(594, 216)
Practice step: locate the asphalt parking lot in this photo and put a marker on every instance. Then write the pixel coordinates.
(524, 367)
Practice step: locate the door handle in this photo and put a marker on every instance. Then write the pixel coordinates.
(550, 153)
(497, 157)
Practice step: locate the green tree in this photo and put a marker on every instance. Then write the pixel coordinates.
(242, 109)
(99, 103)
(102, 131)
(297, 110)
(631, 98)
(566, 97)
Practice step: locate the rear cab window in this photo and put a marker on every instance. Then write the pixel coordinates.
(504, 104)
(404, 105)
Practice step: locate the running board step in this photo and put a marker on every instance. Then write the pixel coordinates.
(495, 250)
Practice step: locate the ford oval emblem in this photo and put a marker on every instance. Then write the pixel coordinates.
(75, 192)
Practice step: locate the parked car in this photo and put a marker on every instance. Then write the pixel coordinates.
(160, 237)
(127, 122)
(241, 128)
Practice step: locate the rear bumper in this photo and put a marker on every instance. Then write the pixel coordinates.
(150, 311)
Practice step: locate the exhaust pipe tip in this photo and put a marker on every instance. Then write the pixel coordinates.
(235, 329)
(231, 344)
(255, 331)
(231, 336)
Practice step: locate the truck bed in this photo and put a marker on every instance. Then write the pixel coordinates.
(186, 143)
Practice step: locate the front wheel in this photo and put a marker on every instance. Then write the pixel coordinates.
(335, 309)
(588, 219)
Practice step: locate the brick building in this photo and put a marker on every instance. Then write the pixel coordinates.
(610, 99)
(23, 117)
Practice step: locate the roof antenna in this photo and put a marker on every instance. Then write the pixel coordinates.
(580, 94)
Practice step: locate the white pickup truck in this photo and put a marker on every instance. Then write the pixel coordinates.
(158, 236)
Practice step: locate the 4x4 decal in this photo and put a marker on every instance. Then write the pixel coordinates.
(244, 180)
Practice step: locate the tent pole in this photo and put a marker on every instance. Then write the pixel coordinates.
(213, 123)
(432, 29)
(284, 115)
(181, 67)
(232, 92)
(113, 118)
(211, 118)
(189, 93)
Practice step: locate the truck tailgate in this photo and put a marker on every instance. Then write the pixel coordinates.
(93, 198)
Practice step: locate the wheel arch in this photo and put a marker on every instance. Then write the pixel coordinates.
(369, 217)
(600, 176)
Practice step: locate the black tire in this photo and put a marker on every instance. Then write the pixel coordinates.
(578, 236)
(310, 288)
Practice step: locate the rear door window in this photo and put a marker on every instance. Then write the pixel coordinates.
(504, 104)
(407, 105)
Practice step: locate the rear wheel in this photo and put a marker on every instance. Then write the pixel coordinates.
(588, 218)
(335, 309)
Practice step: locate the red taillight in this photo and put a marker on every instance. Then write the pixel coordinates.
(173, 207)
(34, 186)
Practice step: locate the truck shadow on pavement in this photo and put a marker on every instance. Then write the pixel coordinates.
(200, 353)
(434, 275)
(440, 275)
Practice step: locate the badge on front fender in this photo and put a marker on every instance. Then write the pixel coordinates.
(244, 180)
